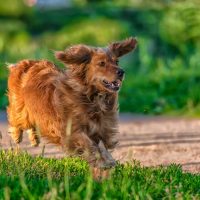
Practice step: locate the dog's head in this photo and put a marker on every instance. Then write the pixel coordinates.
(98, 67)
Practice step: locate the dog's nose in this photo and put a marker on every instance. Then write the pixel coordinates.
(120, 72)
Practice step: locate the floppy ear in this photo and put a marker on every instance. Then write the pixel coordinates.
(77, 54)
(123, 47)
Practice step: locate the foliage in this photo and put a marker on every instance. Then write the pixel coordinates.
(26, 177)
(162, 75)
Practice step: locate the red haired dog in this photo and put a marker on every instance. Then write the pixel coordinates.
(76, 108)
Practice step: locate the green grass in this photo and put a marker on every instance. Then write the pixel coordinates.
(26, 177)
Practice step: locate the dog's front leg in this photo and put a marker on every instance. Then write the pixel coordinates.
(96, 154)
(108, 160)
(102, 169)
(80, 144)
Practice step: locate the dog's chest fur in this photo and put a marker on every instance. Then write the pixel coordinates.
(101, 114)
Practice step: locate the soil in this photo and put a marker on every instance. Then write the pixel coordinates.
(152, 141)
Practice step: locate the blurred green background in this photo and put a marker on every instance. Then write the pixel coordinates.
(162, 75)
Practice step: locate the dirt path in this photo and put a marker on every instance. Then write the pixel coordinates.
(151, 140)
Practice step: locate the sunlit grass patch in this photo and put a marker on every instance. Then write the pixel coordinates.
(24, 176)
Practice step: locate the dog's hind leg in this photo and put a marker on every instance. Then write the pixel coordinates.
(33, 137)
(16, 134)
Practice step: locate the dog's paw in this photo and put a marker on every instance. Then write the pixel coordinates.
(108, 164)
(35, 143)
(34, 138)
(16, 135)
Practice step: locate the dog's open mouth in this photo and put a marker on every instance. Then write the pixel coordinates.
(114, 86)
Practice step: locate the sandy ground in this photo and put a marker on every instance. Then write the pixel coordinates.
(151, 140)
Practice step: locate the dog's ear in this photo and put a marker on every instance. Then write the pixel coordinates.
(123, 47)
(77, 54)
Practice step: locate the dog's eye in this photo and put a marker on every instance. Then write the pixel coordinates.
(117, 62)
(102, 64)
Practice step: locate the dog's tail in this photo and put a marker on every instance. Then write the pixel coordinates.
(10, 66)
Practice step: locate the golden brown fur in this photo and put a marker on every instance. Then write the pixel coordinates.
(75, 108)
